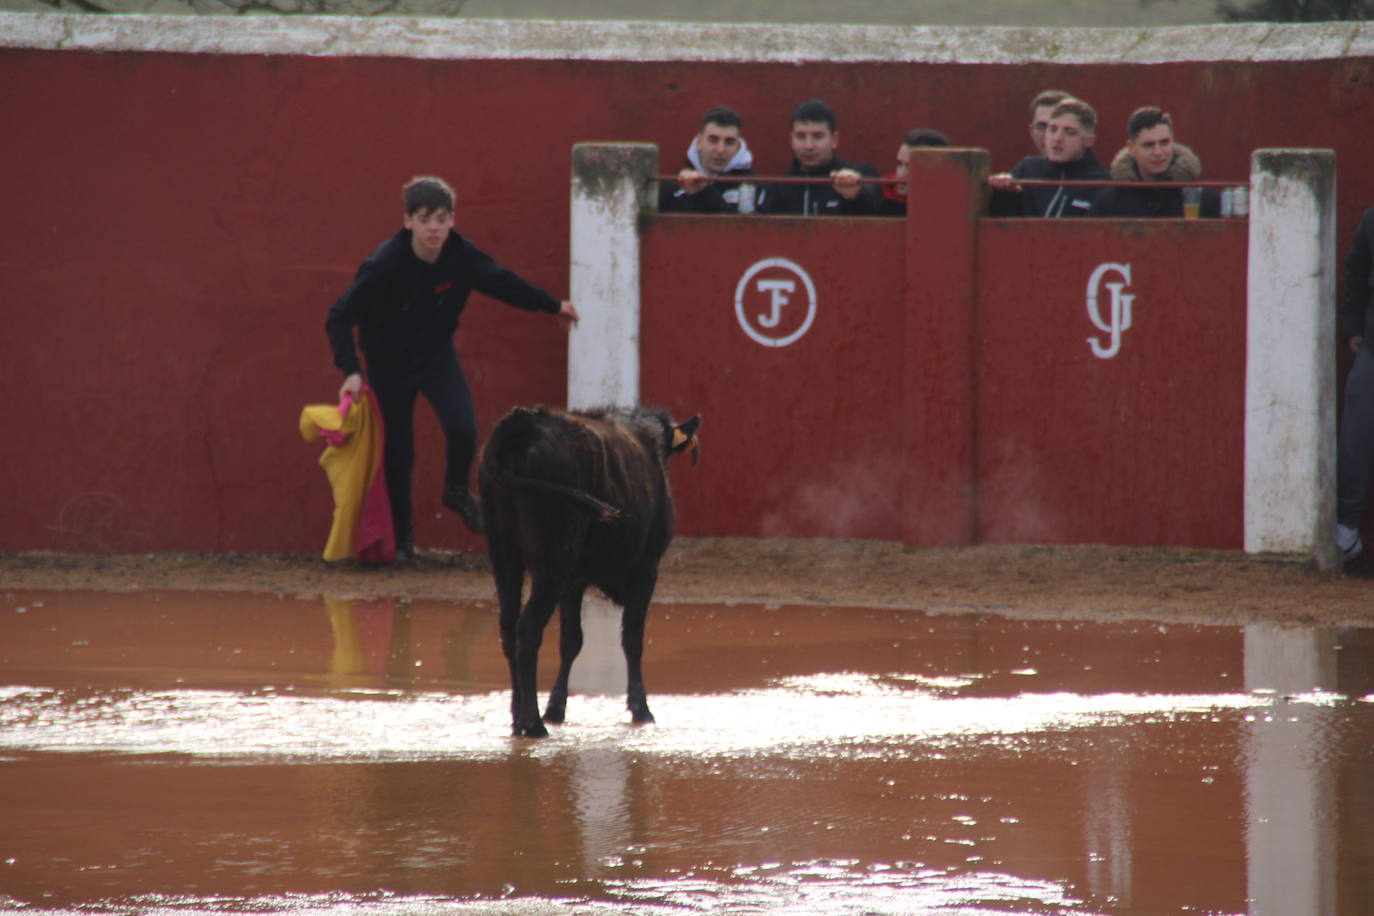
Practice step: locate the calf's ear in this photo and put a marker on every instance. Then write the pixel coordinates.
(685, 438)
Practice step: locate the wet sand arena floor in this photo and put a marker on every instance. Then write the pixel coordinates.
(176, 752)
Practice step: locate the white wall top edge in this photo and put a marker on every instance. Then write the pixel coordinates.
(352, 36)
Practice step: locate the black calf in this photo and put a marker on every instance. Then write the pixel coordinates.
(576, 499)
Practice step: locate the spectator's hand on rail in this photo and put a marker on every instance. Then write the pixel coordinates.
(692, 181)
(353, 386)
(1003, 181)
(567, 316)
(846, 182)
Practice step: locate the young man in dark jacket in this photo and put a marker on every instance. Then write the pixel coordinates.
(717, 149)
(814, 139)
(1041, 109)
(895, 195)
(405, 302)
(1150, 154)
(1355, 443)
(1068, 156)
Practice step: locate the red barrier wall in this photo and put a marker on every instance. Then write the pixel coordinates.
(973, 399)
(1145, 447)
(798, 440)
(177, 224)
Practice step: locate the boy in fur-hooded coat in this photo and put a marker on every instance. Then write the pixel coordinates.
(1135, 202)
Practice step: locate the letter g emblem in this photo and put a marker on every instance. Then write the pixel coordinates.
(1118, 319)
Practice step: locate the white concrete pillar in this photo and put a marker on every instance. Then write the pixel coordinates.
(1290, 375)
(611, 183)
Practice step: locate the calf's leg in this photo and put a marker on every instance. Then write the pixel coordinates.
(636, 611)
(529, 635)
(569, 645)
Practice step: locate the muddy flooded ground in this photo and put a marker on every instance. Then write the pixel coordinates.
(176, 738)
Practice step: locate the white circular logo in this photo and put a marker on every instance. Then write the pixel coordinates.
(766, 302)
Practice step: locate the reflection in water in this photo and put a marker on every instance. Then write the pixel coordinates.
(1290, 786)
(601, 798)
(1107, 823)
(277, 755)
(370, 637)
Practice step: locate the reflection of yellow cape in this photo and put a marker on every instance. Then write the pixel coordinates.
(349, 656)
(353, 462)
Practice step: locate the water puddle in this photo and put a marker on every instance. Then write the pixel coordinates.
(169, 753)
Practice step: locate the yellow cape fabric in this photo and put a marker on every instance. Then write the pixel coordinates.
(350, 467)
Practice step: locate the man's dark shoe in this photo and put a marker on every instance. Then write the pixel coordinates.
(405, 546)
(460, 500)
(1361, 566)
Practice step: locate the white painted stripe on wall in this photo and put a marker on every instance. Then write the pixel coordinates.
(1290, 390)
(348, 36)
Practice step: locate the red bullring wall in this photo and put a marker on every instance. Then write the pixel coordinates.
(182, 210)
(906, 409)
(802, 440)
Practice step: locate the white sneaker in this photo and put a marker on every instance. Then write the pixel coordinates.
(1349, 542)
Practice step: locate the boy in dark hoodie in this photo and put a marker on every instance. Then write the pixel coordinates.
(404, 304)
(1150, 154)
(717, 149)
(814, 138)
(1069, 156)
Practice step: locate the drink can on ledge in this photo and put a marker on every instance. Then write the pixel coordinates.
(746, 198)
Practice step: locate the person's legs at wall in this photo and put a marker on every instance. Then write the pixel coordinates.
(396, 401)
(1355, 454)
(447, 391)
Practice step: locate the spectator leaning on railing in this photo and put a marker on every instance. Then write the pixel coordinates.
(1068, 156)
(895, 195)
(717, 149)
(815, 137)
(1150, 154)
(1041, 110)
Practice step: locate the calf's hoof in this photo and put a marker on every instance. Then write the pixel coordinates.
(556, 708)
(533, 729)
(641, 716)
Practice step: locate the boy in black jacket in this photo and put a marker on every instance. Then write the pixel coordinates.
(717, 149)
(405, 302)
(1068, 156)
(814, 140)
(895, 195)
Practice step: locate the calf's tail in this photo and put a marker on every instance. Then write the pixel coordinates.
(603, 510)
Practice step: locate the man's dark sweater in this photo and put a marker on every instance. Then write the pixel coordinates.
(821, 199)
(1050, 200)
(406, 310)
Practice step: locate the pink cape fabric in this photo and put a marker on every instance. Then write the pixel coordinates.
(376, 540)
